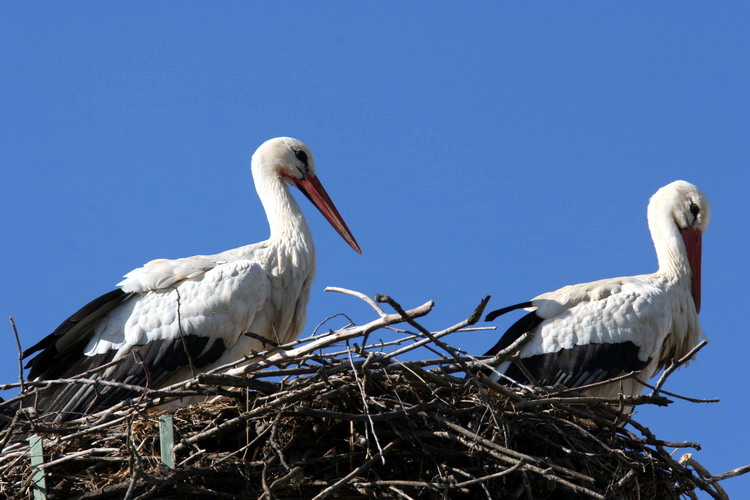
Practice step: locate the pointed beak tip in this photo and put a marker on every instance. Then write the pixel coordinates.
(349, 238)
(316, 193)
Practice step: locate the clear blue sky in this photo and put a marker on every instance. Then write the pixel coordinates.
(499, 148)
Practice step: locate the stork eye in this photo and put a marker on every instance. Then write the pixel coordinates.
(301, 156)
(694, 209)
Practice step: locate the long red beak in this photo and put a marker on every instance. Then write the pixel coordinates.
(313, 189)
(693, 238)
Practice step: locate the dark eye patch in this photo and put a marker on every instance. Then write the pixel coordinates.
(694, 209)
(301, 156)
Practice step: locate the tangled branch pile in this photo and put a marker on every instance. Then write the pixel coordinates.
(354, 421)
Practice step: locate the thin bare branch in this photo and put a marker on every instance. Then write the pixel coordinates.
(676, 364)
(20, 355)
(360, 296)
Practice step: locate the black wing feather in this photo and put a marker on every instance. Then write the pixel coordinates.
(60, 355)
(74, 325)
(499, 312)
(526, 324)
(581, 365)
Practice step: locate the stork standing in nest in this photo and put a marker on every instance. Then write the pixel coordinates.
(591, 332)
(172, 318)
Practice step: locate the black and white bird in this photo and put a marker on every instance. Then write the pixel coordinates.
(591, 332)
(172, 318)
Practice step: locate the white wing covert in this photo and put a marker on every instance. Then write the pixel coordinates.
(602, 312)
(164, 273)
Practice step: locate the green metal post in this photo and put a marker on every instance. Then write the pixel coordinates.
(166, 440)
(39, 482)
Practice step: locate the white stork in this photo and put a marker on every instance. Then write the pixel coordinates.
(191, 314)
(591, 332)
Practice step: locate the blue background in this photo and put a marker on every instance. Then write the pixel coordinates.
(497, 148)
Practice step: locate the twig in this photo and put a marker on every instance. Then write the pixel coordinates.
(263, 340)
(672, 394)
(582, 388)
(233, 381)
(496, 475)
(730, 473)
(399, 492)
(188, 354)
(20, 355)
(410, 319)
(329, 318)
(275, 445)
(78, 454)
(676, 364)
(360, 296)
(136, 468)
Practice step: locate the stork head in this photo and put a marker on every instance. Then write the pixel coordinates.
(292, 161)
(687, 208)
(289, 158)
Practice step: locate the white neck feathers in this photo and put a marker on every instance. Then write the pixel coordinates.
(669, 245)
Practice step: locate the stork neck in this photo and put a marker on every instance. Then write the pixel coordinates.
(285, 219)
(670, 249)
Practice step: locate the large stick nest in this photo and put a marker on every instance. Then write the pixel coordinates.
(327, 418)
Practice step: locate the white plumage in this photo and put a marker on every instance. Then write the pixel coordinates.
(591, 332)
(191, 314)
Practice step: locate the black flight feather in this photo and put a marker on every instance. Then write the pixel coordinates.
(79, 320)
(526, 324)
(580, 365)
(499, 312)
